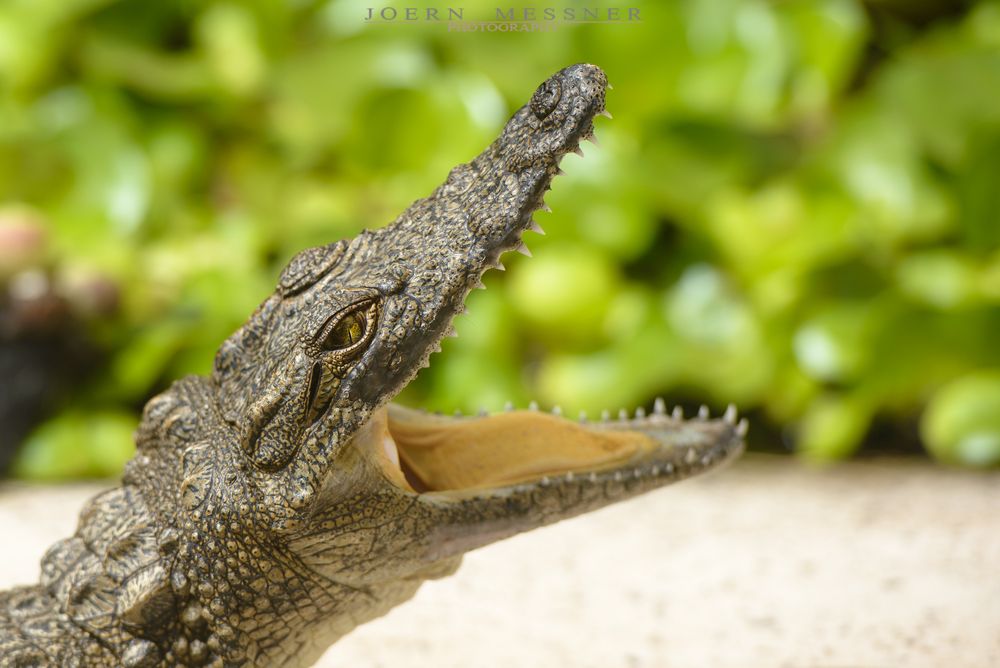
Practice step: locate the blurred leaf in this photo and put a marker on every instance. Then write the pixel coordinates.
(832, 428)
(961, 424)
(940, 278)
(92, 444)
(979, 197)
(565, 292)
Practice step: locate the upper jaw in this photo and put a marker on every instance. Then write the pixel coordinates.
(450, 239)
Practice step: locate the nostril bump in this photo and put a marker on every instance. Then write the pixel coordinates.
(546, 98)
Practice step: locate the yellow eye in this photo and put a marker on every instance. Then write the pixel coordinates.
(347, 332)
(350, 329)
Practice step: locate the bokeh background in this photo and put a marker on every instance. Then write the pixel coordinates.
(795, 209)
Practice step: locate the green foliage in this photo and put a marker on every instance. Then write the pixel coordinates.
(795, 208)
(78, 444)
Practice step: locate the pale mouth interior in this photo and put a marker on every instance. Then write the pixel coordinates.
(428, 452)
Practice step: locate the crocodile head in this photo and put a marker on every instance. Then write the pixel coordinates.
(376, 497)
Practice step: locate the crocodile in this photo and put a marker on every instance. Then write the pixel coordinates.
(281, 501)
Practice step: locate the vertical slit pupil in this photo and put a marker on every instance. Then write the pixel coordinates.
(348, 331)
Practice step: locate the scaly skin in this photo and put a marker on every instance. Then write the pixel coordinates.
(265, 513)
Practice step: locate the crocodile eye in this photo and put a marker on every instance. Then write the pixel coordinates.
(546, 98)
(346, 333)
(349, 329)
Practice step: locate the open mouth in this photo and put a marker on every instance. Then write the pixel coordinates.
(486, 454)
(425, 452)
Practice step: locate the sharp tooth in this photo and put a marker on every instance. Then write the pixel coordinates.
(623, 415)
(610, 87)
(479, 285)
(593, 140)
(535, 227)
(703, 412)
(730, 414)
(742, 427)
(499, 266)
(546, 208)
(523, 250)
(533, 406)
(557, 410)
(559, 171)
(605, 113)
(640, 413)
(578, 151)
(659, 407)
(451, 332)
(677, 413)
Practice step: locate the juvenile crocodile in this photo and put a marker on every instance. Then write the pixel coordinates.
(282, 501)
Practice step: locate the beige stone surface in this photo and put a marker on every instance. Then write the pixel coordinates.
(764, 564)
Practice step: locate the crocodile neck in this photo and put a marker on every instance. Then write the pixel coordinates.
(187, 583)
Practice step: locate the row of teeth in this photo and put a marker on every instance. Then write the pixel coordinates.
(533, 225)
(637, 473)
(730, 415)
(521, 247)
(690, 458)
